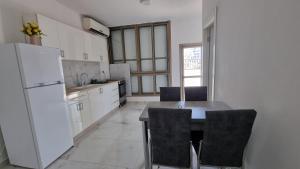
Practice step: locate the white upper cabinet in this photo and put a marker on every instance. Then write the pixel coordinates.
(91, 50)
(66, 41)
(88, 50)
(50, 29)
(96, 47)
(75, 44)
(78, 44)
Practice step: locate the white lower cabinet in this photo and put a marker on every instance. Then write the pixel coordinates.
(90, 106)
(79, 110)
(75, 117)
(97, 104)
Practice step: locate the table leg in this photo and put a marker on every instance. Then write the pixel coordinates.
(145, 143)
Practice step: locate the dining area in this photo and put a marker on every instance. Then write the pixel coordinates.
(184, 122)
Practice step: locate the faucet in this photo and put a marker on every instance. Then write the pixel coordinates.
(83, 79)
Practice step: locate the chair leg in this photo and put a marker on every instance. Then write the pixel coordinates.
(198, 157)
(191, 155)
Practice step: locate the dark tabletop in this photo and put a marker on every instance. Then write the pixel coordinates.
(198, 108)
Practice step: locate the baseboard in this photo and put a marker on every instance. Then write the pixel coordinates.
(4, 163)
(93, 126)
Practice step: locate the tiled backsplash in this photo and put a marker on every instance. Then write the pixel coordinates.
(73, 70)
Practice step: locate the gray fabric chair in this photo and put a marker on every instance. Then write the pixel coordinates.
(170, 94)
(226, 134)
(170, 137)
(196, 93)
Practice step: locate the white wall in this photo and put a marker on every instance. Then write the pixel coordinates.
(183, 31)
(257, 67)
(11, 12)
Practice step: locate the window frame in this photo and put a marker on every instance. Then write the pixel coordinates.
(139, 73)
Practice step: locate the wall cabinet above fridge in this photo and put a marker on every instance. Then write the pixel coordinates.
(75, 44)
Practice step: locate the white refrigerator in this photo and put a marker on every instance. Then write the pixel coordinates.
(33, 110)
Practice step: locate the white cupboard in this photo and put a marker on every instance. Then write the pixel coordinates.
(76, 119)
(75, 44)
(66, 41)
(90, 106)
(79, 110)
(97, 103)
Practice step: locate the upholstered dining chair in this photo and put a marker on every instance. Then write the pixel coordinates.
(195, 93)
(170, 137)
(226, 134)
(170, 94)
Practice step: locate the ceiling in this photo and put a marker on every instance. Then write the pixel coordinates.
(125, 12)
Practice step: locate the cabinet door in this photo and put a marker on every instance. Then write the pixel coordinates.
(78, 44)
(96, 48)
(107, 94)
(104, 61)
(86, 113)
(75, 116)
(50, 29)
(88, 46)
(66, 41)
(96, 101)
(103, 50)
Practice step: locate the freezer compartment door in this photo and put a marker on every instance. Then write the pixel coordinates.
(50, 120)
(39, 65)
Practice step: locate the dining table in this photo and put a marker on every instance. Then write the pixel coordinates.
(197, 119)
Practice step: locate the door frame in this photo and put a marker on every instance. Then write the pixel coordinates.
(181, 60)
(211, 25)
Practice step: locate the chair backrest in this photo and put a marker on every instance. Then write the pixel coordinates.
(196, 93)
(170, 136)
(226, 133)
(170, 94)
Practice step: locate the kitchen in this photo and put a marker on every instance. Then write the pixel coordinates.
(75, 61)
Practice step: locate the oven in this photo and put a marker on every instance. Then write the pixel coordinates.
(122, 92)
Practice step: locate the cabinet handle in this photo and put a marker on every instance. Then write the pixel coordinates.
(85, 56)
(100, 90)
(81, 105)
(78, 107)
(62, 53)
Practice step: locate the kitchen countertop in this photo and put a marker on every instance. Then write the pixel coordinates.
(76, 90)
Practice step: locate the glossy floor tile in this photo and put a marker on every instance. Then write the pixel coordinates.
(115, 144)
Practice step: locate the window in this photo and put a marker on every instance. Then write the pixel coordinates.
(146, 49)
(192, 65)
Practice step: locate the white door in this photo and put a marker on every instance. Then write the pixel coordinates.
(96, 98)
(96, 47)
(85, 112)
(88, 47)
(103, 50)
(50, 29)
(39, 65)
(50, 121)
(66, 41)
(76, 119)
(78, 44)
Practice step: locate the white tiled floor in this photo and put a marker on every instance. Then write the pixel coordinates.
(115, 144)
